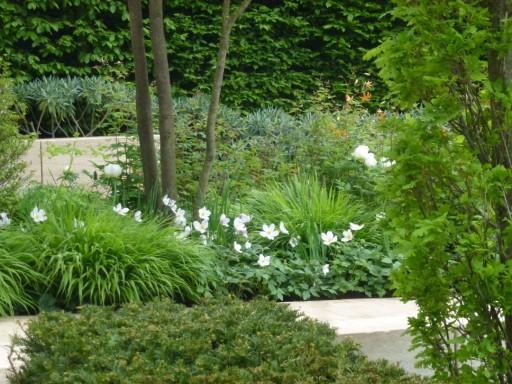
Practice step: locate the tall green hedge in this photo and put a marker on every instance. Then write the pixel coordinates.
(282, 50)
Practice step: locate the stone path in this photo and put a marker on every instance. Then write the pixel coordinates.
(9, 326)
(376, 324)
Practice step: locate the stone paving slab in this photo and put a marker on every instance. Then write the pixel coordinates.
(9, 327)
(377, 325)
(354, 316)
(47, 159)
(393, 346)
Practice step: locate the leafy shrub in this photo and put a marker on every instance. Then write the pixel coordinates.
(234, 162)
(76, 106)
(224, 341)
(318, 143)
(12, 147)
(451, 189)
(89, 254)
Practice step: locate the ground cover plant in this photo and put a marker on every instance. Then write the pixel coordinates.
(295, 239)
(217, 341)
(90, 252)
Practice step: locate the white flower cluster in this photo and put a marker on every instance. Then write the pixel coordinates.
(123, 211)
(180, 217)
(362, 153)
(329, 238)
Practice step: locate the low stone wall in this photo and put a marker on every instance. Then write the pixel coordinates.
(48, 158)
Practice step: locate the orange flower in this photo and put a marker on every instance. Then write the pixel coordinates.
(366, 97)
(368, 84)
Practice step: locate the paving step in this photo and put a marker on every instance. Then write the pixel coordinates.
(377, 325)
(353, 316)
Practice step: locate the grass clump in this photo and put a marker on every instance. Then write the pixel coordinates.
(218, 341)
(306, 206)
(90, 254)
(17, 275)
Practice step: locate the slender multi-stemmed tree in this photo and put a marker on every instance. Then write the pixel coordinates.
(228, 21)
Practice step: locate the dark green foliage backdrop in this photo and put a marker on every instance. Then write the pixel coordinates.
(281, 53)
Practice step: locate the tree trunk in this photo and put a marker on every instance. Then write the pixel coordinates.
(227, 24)
(143, 101)
(166, 115)
(500, 76)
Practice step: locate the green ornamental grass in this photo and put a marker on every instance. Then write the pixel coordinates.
(17, 275)
(307, 207)
(90, 254)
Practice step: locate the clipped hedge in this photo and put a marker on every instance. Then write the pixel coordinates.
(281, 52)
(225, 341)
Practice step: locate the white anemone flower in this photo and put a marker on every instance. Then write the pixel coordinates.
(137, 216)
(237, 247)
(186, 231)
(119, 209)
(112, 171)
(325, 269)
(264, 261)
(347, 236)
(269, 231)
(78, 224)
(4, 219)
(239, 226)
(361, 152)
(370, 161)
(244, 218)
(201, 227)
(380, 216)
(283, 229)
(168, 202)
(180, 218)
(329, 238)
(294, 241)
(204, 214)
(247, 245)
(356, 227)
(38, 215)
(224, 220)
